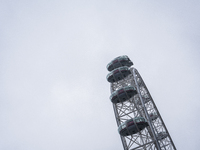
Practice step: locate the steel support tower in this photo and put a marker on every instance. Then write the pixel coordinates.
(155, 135)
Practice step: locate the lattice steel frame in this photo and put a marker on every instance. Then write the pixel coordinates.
(142, 104)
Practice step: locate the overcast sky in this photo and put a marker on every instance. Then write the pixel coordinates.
(53, 56)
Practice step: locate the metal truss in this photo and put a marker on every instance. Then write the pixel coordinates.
(153, 137)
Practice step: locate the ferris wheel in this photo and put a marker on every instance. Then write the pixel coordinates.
(139, 122)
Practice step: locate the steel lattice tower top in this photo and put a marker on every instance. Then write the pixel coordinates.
(139, 122)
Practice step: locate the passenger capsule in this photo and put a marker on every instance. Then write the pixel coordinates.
(119, 62)
(118, 74)
(132, 126)
(123, 94)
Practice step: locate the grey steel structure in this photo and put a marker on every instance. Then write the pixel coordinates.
(153, 137)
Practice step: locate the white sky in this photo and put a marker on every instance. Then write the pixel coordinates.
(53, 57)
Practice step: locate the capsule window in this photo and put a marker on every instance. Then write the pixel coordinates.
(123, 126)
